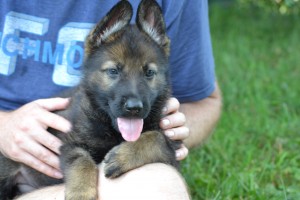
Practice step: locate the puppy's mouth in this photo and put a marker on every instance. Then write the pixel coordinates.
(130, 128)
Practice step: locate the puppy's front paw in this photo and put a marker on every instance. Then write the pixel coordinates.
(114, 163)
(151, 147)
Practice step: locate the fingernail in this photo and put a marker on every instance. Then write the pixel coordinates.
(68, 127)
(164, 110)
(58, 175)
(178, 154)
(170, 133)
(165, 122)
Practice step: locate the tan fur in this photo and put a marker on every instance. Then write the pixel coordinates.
(102, 78)
(157, 80)
(166, 46)
(82, 177)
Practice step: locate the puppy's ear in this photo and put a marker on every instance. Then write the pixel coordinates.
(114, 21)
(150, 20)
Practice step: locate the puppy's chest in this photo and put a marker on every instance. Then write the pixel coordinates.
(97, 140)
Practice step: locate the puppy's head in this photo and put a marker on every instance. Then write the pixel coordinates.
(126, 66)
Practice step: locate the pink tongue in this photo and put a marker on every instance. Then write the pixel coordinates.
(130, 128)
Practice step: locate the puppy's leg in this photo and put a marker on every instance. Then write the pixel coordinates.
(151, 147)
(80, 173)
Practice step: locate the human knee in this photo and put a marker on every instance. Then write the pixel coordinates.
(152, 181)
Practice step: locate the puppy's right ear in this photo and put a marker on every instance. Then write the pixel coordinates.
(150, 20)
(115, 20)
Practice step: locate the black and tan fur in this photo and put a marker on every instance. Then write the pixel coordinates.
(124, 64)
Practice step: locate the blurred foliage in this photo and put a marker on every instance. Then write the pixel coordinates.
(281, 6)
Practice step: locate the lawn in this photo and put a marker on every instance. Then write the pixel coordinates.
(254, 152)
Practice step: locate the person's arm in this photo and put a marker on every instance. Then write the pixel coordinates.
(192, 70)
(201, 117)
(192, 122)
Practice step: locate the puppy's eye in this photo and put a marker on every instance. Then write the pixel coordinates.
(150, 73)
(112, 71)
(150, 70)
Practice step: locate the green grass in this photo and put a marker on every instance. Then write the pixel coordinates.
(254, 152)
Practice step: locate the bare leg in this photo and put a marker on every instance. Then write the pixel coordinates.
(53, 193)
(152, 181)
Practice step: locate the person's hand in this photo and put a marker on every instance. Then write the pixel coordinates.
(173, 125)
(24, 136)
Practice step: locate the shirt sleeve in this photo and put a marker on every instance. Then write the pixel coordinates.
(191, 58)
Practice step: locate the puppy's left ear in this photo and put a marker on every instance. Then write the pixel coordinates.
(150, 20)
(109, 27)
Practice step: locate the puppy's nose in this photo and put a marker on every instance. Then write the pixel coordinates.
(133, 105)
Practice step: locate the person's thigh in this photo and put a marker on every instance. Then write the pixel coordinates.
(54, 192)
(153, 181)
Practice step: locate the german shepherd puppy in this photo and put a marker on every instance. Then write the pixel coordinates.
(124, 87)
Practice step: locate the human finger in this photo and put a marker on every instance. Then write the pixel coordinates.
(39, 152)
(38, 165)
(53, 104)
(174, 120)
(182, 153)
(179, 133)
(55, 121)
(172, 105)
(47, 139)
